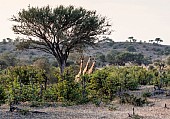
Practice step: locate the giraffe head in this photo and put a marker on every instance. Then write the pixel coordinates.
(89, 59)
(81, 59)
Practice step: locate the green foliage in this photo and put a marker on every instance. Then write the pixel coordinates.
(131, 99)
(25, 74)
(2, 95)
(42, 63)
(126, 57)
(23, 83)
(167, 50)
(67, 88)
(108, 82)
(146, 94)
(26, 83)
(68, 27)
(7, 60)
(101, 57)
(97, 102)
(111, 56)
(97, 84)
(129, 78)
(131, 49)
(50, 94)
(115, 57)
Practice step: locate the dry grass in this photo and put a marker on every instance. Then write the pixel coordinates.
(90, 111)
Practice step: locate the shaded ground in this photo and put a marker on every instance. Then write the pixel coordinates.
(90, 111)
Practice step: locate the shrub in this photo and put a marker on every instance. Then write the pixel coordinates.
(131, 49)
(101, 58)
(67, 88)
(68, 91)
(167, 50)
(24, 83)
(146, 94)
(2, 95)
(132, 84)
(96, 85)
(50, 94)
(131, 99)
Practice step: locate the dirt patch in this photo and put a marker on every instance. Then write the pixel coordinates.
(90, 111)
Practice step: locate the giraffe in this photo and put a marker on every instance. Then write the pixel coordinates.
(86, 69)
(92, 67)
(78, 76)
(87, 64)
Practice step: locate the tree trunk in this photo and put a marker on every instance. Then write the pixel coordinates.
(62, 63)
(62, 67)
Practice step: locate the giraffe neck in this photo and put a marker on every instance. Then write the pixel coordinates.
(81, 65)
(77, 77)
(85, 69)
(91, 68)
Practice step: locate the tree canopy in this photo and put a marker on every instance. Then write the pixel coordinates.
(120, 58)
(60, 30)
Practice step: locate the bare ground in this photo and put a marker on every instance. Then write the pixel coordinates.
(90, 111)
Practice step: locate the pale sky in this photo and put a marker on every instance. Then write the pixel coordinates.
(143, 19)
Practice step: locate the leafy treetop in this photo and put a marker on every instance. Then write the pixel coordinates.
(60, 30)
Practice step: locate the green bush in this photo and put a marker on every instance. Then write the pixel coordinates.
(131, 49)
(50, 94)
(67, 88)
(131, 99)
(26, 83)
(97, 84)
(68, 91)
(23, 83)
(2, 95)
(146, 94)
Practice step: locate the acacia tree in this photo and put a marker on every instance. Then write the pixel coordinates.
(60, 30)
(158, 40)
(130, 38)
